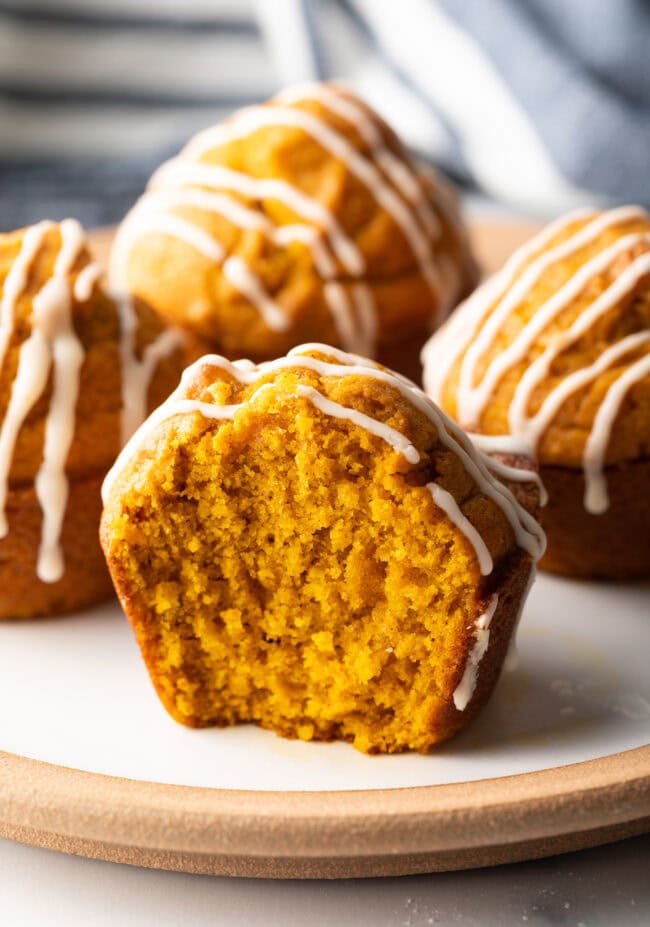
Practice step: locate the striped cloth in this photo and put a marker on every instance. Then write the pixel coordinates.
(540, 104)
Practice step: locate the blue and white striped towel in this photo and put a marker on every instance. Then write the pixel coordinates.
(540, 104)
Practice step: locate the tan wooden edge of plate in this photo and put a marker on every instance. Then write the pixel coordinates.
(341, 833)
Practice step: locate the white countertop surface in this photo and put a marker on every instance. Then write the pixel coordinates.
(604, 887)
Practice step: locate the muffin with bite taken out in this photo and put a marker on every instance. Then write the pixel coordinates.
(309, 544)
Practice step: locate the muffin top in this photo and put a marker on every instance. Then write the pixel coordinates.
(554, 350)
(296, 220)
(347, 417)
(75, 364)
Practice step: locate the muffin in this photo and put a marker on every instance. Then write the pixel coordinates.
(310, 545)
(78, 373)
(551, 357)
(298, 220)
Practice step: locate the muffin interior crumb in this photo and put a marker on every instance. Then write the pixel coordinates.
(285, 571)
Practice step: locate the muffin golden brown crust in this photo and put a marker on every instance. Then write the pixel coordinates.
(85, 579)
(78, 372)
(300, 220)
(617, 541)
(553, 354)
(311, 546)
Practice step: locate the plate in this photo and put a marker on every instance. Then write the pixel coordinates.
(559, 759)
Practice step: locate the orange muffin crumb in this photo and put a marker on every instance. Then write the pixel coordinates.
(285, 541)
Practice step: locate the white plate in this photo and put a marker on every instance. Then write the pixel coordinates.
(74, 692)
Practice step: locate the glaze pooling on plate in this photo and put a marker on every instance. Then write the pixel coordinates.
(472, 330)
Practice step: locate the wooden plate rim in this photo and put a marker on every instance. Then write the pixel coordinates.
(327, 824)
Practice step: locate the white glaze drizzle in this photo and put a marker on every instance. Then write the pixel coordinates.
(403, 177)
(399, 190)
(33, 365)
(395, 438)
(445, 501)
(499, 444)
(52, 344)
(137, 373)
(367, 323)
(357, 331)
(465, 689)
(596, 496)
(517, 475)
(509, 445)
(249, 120)
(243, 216)
(443, 349)
(240, 276)
(236, 271)
(142, 222)
(147, 217)
(52, 309)
(85, 282)
(52, 348)
(183, 172)
(16, 281)
(472, 399)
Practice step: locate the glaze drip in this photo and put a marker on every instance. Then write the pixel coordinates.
(51, 346)
(467, 686)
(138, 373)
(53, 353)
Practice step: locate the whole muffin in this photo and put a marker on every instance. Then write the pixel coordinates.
(299, 220)
(553, 356)
(310, 545)
(78, 373)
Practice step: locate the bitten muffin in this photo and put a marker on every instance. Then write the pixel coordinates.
(310, 545)
(303, 219)
(552, 355)
(78, 373)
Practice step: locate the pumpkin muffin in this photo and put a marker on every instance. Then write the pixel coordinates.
(78, 373)
(310, 545)
(551, 357)
(302, 219)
